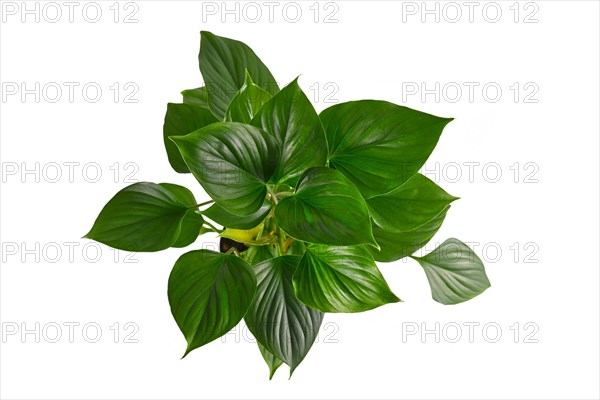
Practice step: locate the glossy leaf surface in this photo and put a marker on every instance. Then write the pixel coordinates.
(413, 204)
(246, 102)
(143, 217)
(229, 220)
(279, 321)
(291, 119)
(209, 294)
(454, 272)
(182, 119)
(379, 145)
(340, 279)
(232, 162)
(326, 209)
(397, 245)
(223, 63)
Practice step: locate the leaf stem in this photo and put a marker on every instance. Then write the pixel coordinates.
(211, 226)
(202, 204)
(272, 195)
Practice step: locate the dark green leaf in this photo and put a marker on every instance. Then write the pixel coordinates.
(454, 272)
(413, 204)
(272, 361)
(379, 145)
(341, 279)
(397, 245)
(278, 320)
(190, 229)
(257, 254)
(182, 119)
(223, 63)
(232, 162)
(291, 119)
(209, 294)
(197, 97)
(229, 220)
(325, 209)
(246, 102)
(143, 217)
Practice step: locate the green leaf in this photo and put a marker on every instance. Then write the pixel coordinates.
(223, 63)
(232, 162)
(257, 254)
(182, 119)
(379, 145)
(291, 119)
(341, 279)
(397, 245)
(209, 294)
(229, 220)
(276, 318)
(197, 97)
(454, 272)
(325, 209)
(413, 204)
(246, 102)
(272, 361)
(143, 217)
(190, 229)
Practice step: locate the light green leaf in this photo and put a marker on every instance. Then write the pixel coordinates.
(143, 217)
(413, 204)
(291, 119)
(232, 162)
(340, 279)
(209, 294)
(326, 209)
(379, 145)
(223, 63)
(197, 97)
(182, 119)
(277, 319)
(246, 103)
(273, 362)
(397, 245)
(454, 272)
(229, 220)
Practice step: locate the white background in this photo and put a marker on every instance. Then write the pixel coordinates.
(549, 278)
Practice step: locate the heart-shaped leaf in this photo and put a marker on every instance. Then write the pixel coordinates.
(223, 63)
(229, 220)
(454, 272)
(197, 97)
(233, 162)
(209, 294)
(144, 217)
(379, 145)
(246, 102)
(182, 119)
(397, 245)
(291, 119)
(327, 209)
(413, 204)
(340, 279)
(278, 320)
